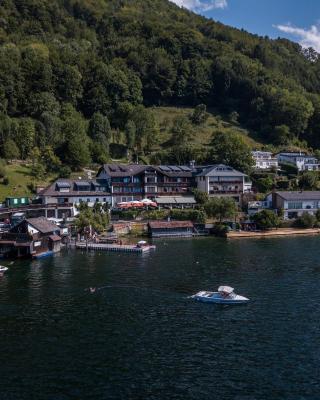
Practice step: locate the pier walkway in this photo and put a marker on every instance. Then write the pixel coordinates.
(125, 248)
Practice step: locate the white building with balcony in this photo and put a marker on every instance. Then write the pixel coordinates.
(221, 180)
(264, 160)
(301, 160)
(294, 204)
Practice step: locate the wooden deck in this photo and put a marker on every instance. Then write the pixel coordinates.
(124, 248)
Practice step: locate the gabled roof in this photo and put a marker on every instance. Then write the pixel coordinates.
(72, 185)
(218, 170)
(42, 225)
(302, 195)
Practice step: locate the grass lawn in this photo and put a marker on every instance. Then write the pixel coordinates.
(202, 134)
(19, 181)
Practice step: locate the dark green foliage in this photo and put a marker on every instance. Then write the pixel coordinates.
(264, 185)
(64, 172)
(10, 150)
(233, 117)
(288, 168)
(230, 149)
(221, 208)
(188, 215)
(199, 115)
(95, 216)
(3, 169)
(126, 214)
(130, 134)
(181, 131)
(100, 130)
(220, 230)
(155, 214)
(308, 180)
(200, 196)
(281, 135)
(266, 219)
(282, 184)
(104, 59)
(306, 220)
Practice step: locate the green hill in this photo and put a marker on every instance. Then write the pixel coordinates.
(78, 75)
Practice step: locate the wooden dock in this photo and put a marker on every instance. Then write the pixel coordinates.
(124, 248)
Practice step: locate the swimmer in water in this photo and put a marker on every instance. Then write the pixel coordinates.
(92, 289)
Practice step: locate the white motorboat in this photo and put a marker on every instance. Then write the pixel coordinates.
(224, 295)
(3, 269)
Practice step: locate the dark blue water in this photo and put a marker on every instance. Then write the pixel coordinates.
(140, 336)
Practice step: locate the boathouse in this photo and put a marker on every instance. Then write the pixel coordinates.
(159, 229)
(33, 237)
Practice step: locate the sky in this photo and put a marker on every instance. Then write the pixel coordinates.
(297, 20)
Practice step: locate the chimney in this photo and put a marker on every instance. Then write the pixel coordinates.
(192, 164)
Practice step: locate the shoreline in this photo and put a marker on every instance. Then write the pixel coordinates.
(272, 233)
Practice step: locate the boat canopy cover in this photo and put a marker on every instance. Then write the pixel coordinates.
(225, 289)
(142, 242)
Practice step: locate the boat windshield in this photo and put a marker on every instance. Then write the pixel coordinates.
(227, 295)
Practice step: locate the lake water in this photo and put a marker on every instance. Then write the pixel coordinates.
(140, 336)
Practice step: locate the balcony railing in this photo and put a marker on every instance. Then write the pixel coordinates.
(185, 184)
(129, 184)
(222, 182)
(225, 191)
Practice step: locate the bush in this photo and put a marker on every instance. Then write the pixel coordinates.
(306, 220)
(266, 219)
(264, 185)
(156, 214)
(3, 169)
(64, 172)
(289, 168)
(188, 215)
(5, 180)
(126, 214)
(220, 230)
(282, 184)
(308, 180)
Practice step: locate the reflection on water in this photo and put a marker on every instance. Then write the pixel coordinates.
(140, 336)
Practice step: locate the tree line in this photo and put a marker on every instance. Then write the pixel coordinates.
(76, 73)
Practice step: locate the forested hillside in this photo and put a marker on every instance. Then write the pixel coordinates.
(78, 75)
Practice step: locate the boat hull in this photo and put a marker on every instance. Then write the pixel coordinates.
(216, 298)
(220, 301)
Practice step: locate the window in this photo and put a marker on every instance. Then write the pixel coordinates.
(15, 201)
(295, 205)
(104, 199)
(88, 200)
(23, 201)
(97, 200)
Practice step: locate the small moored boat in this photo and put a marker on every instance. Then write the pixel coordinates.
(3, 269)
(224, 295)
